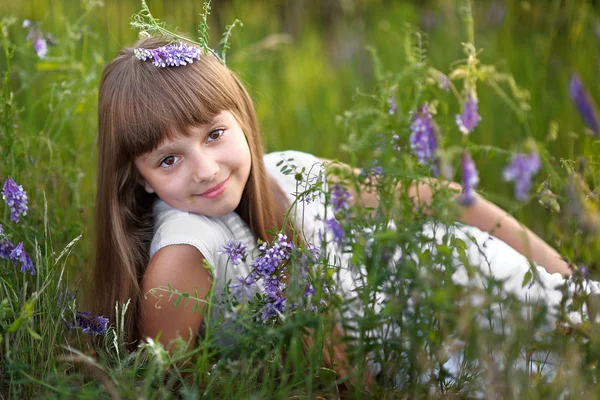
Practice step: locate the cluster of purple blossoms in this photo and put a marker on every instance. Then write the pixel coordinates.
(171, 55)
(87, 323)
(584, 104)
(242, 290)
(423, 140)
(269, 262)
(336, 229)
(521, 169)
(36, 36)
(470, 118)
(340, 198)
(80, 319)
(18, 255)
(470, 179)
(16, 199)
(235, 250)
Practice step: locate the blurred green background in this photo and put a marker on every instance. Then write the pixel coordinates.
(304, 62)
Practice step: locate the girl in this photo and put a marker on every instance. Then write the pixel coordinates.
(182, 173)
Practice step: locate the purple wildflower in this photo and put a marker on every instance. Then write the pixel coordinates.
(309, 291)
(41, 47)
(243, 289)
(171, 55)
(272, 257)
(423, 141)
(16, 198)
(336, 229)
(6, 247)
(19, 255)
(340, 198)
(314, 251)
(444, 83)
(26, 23)
(87, 323)
(584, 103)
(391, 102)
(470, 118)
(470, 179)
(235, 250)
(273, 287)
(272, 309)
(521, 169)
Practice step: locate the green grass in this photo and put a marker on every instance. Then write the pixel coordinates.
(304, 65)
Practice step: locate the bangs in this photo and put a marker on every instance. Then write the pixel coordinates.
(143, 105)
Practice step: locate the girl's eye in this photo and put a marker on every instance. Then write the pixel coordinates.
(169, 161)
(215, 135)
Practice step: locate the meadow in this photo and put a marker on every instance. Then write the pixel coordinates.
(343, 80)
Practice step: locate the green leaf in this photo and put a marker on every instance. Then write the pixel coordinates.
(527, 278)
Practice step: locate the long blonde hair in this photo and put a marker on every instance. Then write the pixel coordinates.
(140, 105)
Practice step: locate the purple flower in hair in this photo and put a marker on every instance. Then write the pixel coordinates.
(470, 118)
(235, 250)
(521, 169)
(171, 55)
(423, 141)
(584, 103)
(336, 229)
(340, 198)
(470, 179)
(16, 199)
(19, 255)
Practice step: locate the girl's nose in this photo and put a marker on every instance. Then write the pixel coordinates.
(205, 169)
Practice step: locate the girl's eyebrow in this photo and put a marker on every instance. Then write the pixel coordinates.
(217, 120)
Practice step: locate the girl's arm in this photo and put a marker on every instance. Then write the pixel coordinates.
(181, 267)
(481, 214)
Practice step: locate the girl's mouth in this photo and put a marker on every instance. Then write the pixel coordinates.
(215, 191)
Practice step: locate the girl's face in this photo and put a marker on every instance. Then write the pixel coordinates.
(205, 173)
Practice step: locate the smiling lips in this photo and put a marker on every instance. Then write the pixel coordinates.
(215, 191)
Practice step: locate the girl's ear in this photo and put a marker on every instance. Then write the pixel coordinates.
(145, 185)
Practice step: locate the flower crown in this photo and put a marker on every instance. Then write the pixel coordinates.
(171, 55)
(177, 53)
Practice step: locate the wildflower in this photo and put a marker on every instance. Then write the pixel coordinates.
(235, 250)
(340, 198)
(584, 103)
(423, 141)
(521, 169)
(172, 55)
(36, 36)
(243, 289)
(470, 179)
(336, 229)
(272, 309)
(272, 257)
(16, 198)
(273, 287)
(444, 83)
(309, 291)
(470, 118)
(41, 47)
(314, 251)
(6, 247)
(391, 101)
(87, 323)
(19, 255)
